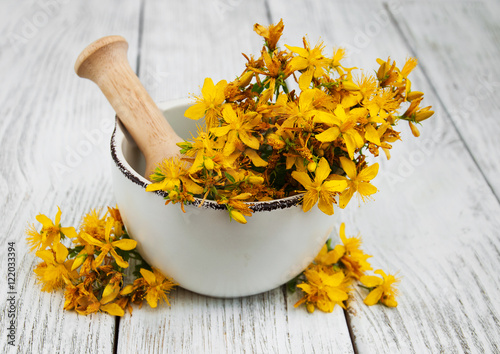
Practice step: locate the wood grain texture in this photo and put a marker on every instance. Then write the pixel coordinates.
(461, 62)
(435, 218)
(266, 323)
(54, 134)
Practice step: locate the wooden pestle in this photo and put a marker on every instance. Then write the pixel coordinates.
(105, 63)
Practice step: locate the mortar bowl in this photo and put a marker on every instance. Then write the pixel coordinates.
(202, 249)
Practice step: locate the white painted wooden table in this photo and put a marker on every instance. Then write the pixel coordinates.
(436, 218)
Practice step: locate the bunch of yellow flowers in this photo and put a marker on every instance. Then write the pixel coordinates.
(262, 141)
(327, 281)
(92, 272)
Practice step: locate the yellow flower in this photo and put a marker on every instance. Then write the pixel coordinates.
(381, 105)
(327, 258)
(357, 182)
(311, 61)
(50, 233)
(271, 34)
(84, 301)
(238, 128)
(168, 176)
(209, 104)
(341, 122)
(157, 286)
(94, 224)
(55, 270)
(351, 256)
(323, 290)
(383, 290)
(304, 113)
(319, 188)
(109, 245)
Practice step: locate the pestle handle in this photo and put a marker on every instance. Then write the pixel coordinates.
(105, 63)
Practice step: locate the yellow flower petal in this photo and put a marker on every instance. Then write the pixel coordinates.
(336, 294)
(152, 299)
(349, 167)
(127, 289)
(328, 135)
(322, 171)
(69, 232)
(196, 111)
(373, 297)
(61, 252)
(335, 185)
(371, 134)
(119, 260)
(113, 309)
(125, 244)
(44, 220)
(345, 197)
(326, 203)
(79, 260)
(370, 281)
(90, 240)
(148, 276)
(303, 178)
(110, 292)
(256, 159)
(249, 140)
(368, 173)
(306, 78)
(310, 199)
(365, 188)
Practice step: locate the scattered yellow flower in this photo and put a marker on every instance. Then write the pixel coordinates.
(55, 270)
(157, 286)
(383, 290)
(323, 290)
(50, 233)
(353, 258)
(109, 245)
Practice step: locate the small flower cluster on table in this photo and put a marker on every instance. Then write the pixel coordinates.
(93, 269)
(262, 141)
(327, 281)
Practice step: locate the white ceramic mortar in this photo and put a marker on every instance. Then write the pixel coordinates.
(202, 249)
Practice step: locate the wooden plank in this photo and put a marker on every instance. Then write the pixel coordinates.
(54, 135)
(464, 56)
(182, 44)
(435, 219)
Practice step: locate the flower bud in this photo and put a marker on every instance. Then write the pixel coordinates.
(350, 86)
(414, 130)
(423, 114)
(311, 166)
(172, 195)
(236, 215)
(245, 79)
(209, 164)
(255, 180)
(310, 308)
(414, 95)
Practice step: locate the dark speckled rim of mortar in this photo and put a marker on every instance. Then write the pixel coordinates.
(133, 176)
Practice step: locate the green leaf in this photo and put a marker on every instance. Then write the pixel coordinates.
(229, 177)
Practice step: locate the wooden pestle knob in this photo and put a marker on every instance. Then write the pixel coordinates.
(105, 63)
